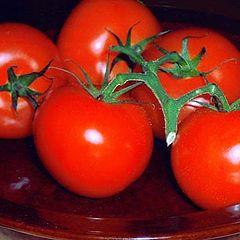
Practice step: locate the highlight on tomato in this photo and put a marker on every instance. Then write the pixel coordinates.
(24, 50)
(91, 147)
(205, 158)
(220, 62)
(85, 37)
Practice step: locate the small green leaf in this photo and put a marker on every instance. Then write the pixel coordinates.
(18, 86)
(11, 74)
(125, 90)
(162, 50)
(117, 38)
(87, 78)
(129, 35)
(197, 59)
(107, 71)
(235, 105)
(142, 44)
(14, 100)
(28, 79)
(185, 52)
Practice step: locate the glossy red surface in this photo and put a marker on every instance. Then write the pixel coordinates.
(153, 207)
(32, 202)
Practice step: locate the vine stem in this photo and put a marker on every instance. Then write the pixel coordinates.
(171, 107)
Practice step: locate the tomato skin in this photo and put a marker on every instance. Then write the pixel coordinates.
(226, 76)
(86, 42)
(206, 158)
(154, 111)
(29, 50)
(219, 50)
(15, 124)
(92, 148)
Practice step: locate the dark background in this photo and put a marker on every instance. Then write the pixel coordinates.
(50, 14)
(43, 14)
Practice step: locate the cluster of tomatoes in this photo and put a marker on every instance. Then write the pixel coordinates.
(97, 149)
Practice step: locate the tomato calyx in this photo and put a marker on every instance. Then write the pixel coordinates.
(108, 91)
(138, 48)
(18, 86)
(185, 67)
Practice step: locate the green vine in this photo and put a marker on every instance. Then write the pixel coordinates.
(184, 67)
(181, 67)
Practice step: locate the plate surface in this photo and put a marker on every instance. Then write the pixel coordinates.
(32, 202)
(153, 207)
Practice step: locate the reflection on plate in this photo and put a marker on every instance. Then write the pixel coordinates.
(32, 202)
(154, 207)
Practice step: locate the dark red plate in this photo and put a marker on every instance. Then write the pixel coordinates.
(32, 202)
(153, 207)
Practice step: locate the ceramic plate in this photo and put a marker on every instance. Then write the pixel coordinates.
(32, 202)
(153, 207)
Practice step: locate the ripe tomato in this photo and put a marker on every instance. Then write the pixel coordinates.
(29, 50)
(93, 148)
(219, 50)
(84, 39)
(206, 158)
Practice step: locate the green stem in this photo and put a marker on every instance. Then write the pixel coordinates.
(211, 89)
(4, 88)
(171, 109)
(149, 76)
(235, 106)
(120, 80)
(183, 67)
(135, 56)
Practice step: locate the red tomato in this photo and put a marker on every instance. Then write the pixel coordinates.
(93, 148)
(84, 39)
(226, 76)
(206, 158)
(30, 51)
